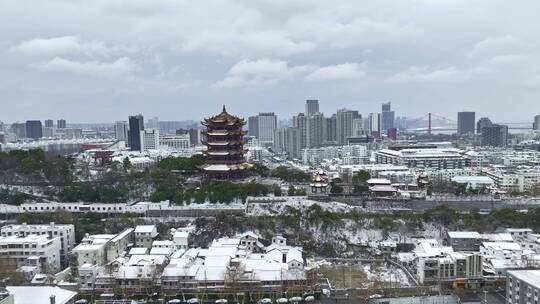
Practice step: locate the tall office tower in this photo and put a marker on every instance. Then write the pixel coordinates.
(465, 123)
(19, 129)
(374, 123)
(153, 123)
(121, 130)
(344, 119)
(34, 129)
(287, 140)
(312, 107)
(267, 125)
(136, 125)
(315, 130)
(253, 126)
(387, 117)
(47, 132)
(495, 136)
(194, 137)
(299, 122)
(536, 123)
(149, 139)
(292, 142)
(331, 128)
(358, 127)
(49, 123)
(61, 124)
(482, 122)
(279, 140)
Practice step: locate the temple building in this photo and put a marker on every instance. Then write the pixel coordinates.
(225, 152)
(319, 183)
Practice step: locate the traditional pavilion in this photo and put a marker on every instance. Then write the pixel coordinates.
(225, 152)
(319, 183)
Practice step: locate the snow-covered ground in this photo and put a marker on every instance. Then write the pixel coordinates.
(279, 206)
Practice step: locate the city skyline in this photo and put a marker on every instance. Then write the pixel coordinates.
(263, 56)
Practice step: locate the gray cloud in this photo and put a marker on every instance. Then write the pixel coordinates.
(161, 57)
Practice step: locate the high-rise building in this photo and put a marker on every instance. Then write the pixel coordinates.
(253, 126)
(465, 123)
(61, 124)
(331, 129)
(312, 107)
(495, 136)
(19, 129)
(483, 122)
(34, 129)
(287, 140)
(315, 130)
(49, 123)
(292, 142)
(299, 122)
(153, 123)
(344, 119)
(267, 125)
(374, 120)
(149, 139)
(358, 127)
(121, 130)
(136, 125)
(536, 123)
(387, 117)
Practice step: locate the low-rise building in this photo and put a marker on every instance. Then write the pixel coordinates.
(35, 253)
(66, 233)
(523, 287)
(447, 158)
(145, 235)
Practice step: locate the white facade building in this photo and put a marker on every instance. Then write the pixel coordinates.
(175, 142)
(66, 233)
(149, 139)
(32, 250)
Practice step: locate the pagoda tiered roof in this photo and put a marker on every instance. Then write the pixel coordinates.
(224, 118)
(223, 137)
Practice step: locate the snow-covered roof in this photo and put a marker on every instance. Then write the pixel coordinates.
(40, 294)
(378, 181)
(145, 228)
(502, 246)
(464, 234)
(165, 243)
(138, 251)
(142, 259)
(161, 251)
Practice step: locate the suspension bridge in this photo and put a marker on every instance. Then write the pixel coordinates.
(433, 122)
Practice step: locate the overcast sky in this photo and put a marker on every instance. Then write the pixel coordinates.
(102, 60)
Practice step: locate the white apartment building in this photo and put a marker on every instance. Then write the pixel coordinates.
(448, 158)
(121, 130)
(519, 180)
(436, 264)
(116, 246)
(32, 250)
(177, 142)
(145, 235)
(66, 233)
(92, 249)
(523, 287)
(446, 175)
(149, 139)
